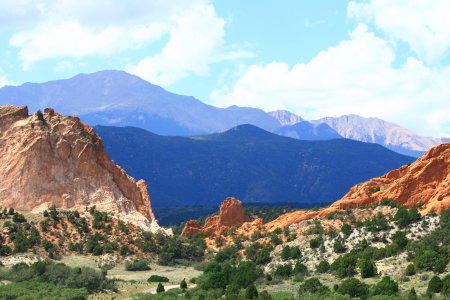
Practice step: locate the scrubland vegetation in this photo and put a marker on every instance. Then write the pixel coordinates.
(350, 261)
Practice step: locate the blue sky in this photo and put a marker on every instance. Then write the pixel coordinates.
(376, 58)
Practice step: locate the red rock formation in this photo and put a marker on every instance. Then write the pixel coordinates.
(426, 181)
(231, 213)
(61, 161)
(191, 228)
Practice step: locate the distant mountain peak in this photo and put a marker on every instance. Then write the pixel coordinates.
(305, 130)
(286, 117)
(375, 130)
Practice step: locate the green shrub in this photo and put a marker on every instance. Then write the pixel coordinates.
(354, 288)
(286, 253)
(339, 246)
(295, 252)
(346, 229)
(435, 285)
(400, 239)
(345, 265)
(137, 265)
(445, 291)
(300, 268)
(283, 270)
(367, 268)
(386, 286)
(323, 267)
(251, 292)
(315, 243)
(157, 278)
(41, 290)
(264, 295)
(410, 270)
(310, 285)
(412, 295)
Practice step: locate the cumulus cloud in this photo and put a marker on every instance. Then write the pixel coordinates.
(71, 39)
(356, 76)
(424, 25)
(77, 29)
(195, 42)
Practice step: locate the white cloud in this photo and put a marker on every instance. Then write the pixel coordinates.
(71, 39)
(356, 76)
(195, 42)
(79, 28)
(3, 80)
(424, 25)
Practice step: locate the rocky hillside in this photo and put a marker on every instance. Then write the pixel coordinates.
(49, 159)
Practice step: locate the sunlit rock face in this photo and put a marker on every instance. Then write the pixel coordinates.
(59, 160)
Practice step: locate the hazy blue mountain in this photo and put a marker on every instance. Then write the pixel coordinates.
(245, 162)
(374, 130)
(305, 130)
(116, 98)
(121, 99)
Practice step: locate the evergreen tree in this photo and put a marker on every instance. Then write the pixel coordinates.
(445, 291)
(251, 292)
(367, 268)
(160, 288)
(183, 284)
(412, 295)
(39, 115)
(435, 285)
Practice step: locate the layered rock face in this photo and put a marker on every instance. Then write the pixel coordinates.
(61, 161)
(424, 183)
(231, 213)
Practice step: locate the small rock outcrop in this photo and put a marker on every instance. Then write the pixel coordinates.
(50, 159)
(231, 213)
(425, 183)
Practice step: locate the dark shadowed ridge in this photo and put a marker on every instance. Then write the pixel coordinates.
(246, 162)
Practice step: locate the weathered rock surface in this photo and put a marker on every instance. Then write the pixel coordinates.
(424, 183)
(61, 161)
(231, 214)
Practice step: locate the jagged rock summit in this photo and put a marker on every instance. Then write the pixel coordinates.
(231, 213)
(57, 160)
(424, 184)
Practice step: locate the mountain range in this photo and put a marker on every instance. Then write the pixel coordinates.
(116, 98)
(245, 162)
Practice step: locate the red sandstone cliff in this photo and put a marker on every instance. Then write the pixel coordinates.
(426, 181)
(231, 213)
(61, 161)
